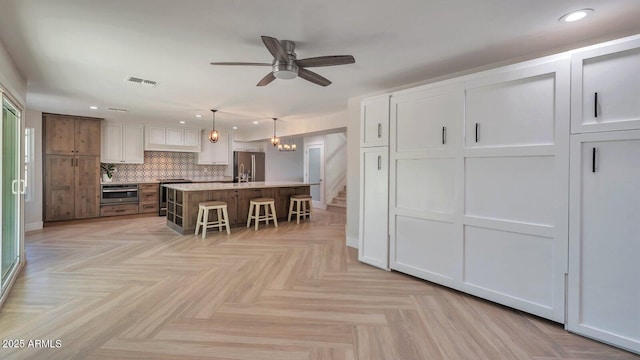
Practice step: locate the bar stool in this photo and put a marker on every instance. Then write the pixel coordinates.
(203, 216)
(300, 202)
(269, 211)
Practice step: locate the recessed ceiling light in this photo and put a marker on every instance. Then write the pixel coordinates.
(93, 107)
(182, 122)
(255, 123)
(235, 128)
(198, 116)
(575, 15)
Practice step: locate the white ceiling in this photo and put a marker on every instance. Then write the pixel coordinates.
(77, 53)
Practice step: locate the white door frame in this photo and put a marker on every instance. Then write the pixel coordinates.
(321, 204)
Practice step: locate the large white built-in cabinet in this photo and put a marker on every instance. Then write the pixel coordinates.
(479, 177)
(604, 237)
(122, 143)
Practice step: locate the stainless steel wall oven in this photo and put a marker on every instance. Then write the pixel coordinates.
(118, 193)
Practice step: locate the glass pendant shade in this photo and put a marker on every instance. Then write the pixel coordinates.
(274, 140)
(213, 134)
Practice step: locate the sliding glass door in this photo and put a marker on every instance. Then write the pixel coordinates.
(11, 188)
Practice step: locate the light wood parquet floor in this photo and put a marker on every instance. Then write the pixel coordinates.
(133, 289)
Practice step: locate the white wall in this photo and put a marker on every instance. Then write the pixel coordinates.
(33, 208)
(10, 79)
(284, 165)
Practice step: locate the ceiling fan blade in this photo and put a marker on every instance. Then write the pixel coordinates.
(326, 61)
(313, 77)
(266, 80)
(275, 48)
(241, 63)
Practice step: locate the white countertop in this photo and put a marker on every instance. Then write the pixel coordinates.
(233, 186)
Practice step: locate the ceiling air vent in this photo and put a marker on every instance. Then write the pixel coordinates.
(117, 109)
(141, 82)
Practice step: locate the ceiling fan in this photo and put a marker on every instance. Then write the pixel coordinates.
(285, 65)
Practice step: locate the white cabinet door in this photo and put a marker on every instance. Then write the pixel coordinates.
(605, 87)
(132, 144)
(191, 137)
(374, 121)
(156, 135)
(214, 153)
(515, 108)
(604, 289)
(122, 143)
(220, 150)
(111, 143)
(174, 136)
(427, 118)
(374, 202)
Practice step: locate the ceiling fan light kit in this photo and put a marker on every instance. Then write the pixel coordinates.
(286, 66)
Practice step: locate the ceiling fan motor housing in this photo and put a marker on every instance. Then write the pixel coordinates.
(288, 70)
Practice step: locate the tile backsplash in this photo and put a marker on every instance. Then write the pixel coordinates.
(168, 165)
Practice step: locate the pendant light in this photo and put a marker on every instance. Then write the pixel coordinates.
(213, 134)
(288, 146)
(274, 140)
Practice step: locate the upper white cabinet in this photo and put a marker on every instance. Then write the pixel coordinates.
(374, 122)
(122, 143)
(158, 138)
(604, 237)
(605, 87)
(214, 153)
(515, 108)
(427, 118)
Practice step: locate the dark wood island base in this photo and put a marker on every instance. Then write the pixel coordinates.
(183, 201)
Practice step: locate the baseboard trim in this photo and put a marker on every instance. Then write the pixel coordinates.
(352, 242)
(33, 226)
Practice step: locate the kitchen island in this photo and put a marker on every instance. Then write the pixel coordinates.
(183, 200)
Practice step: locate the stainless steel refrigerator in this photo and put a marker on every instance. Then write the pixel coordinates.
(248, 166)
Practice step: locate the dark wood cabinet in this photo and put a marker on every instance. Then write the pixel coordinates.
(71, 147)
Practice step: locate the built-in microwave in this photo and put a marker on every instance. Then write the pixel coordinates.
(118, 193)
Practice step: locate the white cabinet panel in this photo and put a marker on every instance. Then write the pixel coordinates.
(374, 121)
(111, 143)
(191, 137)
(427, 119)
(605, 88)
(518, 112)
(425, 185)
(514, 269)
(374, 204)
(604, 290)
(133, 144)
(156, 135)
(214, 153)
(518, 189)
(431, 250)
(175, 136)
(122, 143)
(171, 139)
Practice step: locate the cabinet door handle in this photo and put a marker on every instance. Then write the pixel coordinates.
(477, 131)
(379, 130)
(444, 135)
(379, 162)
(595, 104)
(594, 152)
